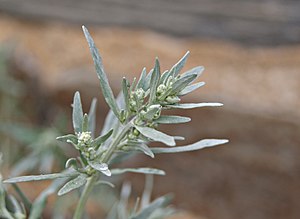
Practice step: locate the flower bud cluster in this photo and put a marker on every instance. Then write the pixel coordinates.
(85, 145)
(136, 99)
(163, 91)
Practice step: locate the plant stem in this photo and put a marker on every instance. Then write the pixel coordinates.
(92, 180)
(116, 142)
(84, 197)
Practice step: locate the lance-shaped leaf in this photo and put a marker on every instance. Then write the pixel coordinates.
(77, 114)
(156, 204)
(191, 88)
(152, 111)
(144, 170)
(197, 70)
(172, 119)
(67, 138)
(180, 84)
(142, 79)
(125, 86)
(40, 177)
(192, 105)
(92, 117)
(106, 89)
(102, 167)
(156, 135)
(192, 147)
(73, 184)
(146, 85)
(99, 140)
(85, 123)
(139, 146)
(163, 77)
(40, 202)
(154, 81)
(174, 71)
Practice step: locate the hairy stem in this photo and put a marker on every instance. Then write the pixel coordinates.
(116, 142)
(92, 180)
(84, 196)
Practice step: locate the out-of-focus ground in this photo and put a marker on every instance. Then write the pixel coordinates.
(256, 175)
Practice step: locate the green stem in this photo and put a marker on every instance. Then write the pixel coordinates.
(92, 180)
(84, 196)
(116, 142)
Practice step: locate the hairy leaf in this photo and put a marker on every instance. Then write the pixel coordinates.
(99, 140)
(40, 177)
(68, 137)
(77, 113)
(154, 81)
(180, 84)
(197, 70)
(156, 135)
(142, 79)
(144, 170)
(193, 105)
(106, 89)
(139, 146)
(85, 123)
(156, 204)
(192, 147)
(102, 167)
(191, 88)
(174, 71)
(73, 184)
(125, 85)
(172, 119)
(40, 202)
(92, 117)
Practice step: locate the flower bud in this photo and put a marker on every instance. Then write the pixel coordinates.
(172, 99)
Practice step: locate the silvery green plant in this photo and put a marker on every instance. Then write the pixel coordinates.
(130, 126)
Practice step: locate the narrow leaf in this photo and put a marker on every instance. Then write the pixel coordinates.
(193, 105)
(73, 184)
(40, 177)
(144, 170)
(92, 117)
(139, 146)
(192, 147)
(151, 111)
(156, 135)
(156, 204)
(191, 88)
(179, 65)
(197, 70)
(154, 81)
(39, 203)
(77, 113)
(99, 140)
(141, 81)
(102, 167)
(125, 85)
(68, 137)
(182, 83)
(85, 123)
(106, 89)
(147, 80)
(172, 119)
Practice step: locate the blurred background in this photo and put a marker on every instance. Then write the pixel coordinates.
(251, 53)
